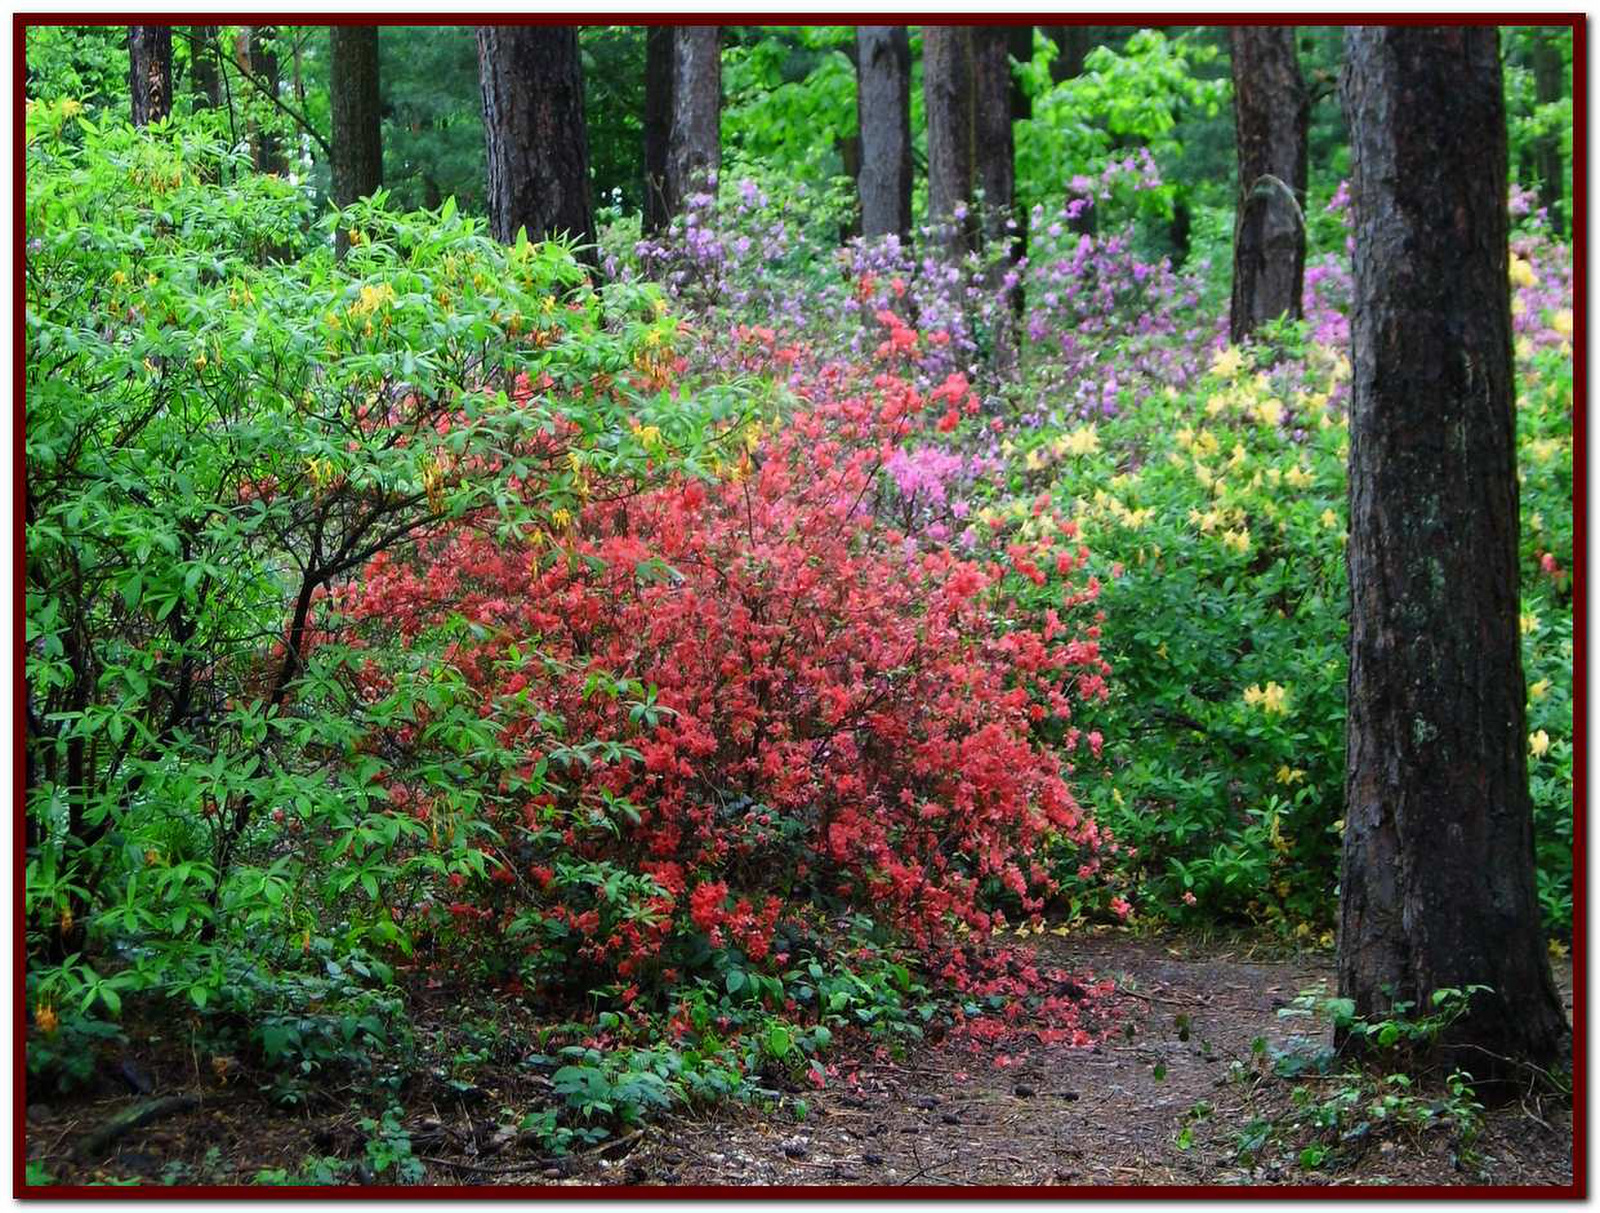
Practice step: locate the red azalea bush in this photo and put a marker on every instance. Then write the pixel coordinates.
(725, 701)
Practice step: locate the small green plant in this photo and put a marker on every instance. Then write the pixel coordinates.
(1377, 1085)
(389, 1149)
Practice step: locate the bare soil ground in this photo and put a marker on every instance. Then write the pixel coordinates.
(949, 1114)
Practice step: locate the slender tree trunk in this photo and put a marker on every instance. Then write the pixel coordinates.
(1271, 110)
(357, 123)
(948, 100)
(538, 147)
(255, 54)
(657, 125)
(993, 147)
(694, 147)
(203, 66)
(150, 72)
(883, 103)
(1548, 87)
(1073, 44)
(1438, 879)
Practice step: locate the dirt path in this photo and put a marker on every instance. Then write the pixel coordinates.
(1162, 1099)
(1109, 1115)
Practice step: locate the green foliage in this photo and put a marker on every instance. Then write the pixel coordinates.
(613, 87)
(223, 421)
(789, 101)
(64, 1049)
(433, 146)
(1336, 1112)
(84, 63)
(1123, 100)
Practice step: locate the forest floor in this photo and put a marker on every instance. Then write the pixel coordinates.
(1162, 1099)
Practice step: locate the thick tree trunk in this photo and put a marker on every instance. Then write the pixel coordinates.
(1271, 109)
(150, 72)
(883, 103)
(657, 125)
(357, 126)
(1548, 87)
(948, 100)
(203, 66)
(694, 149)
(1438, 879)
(538, 149)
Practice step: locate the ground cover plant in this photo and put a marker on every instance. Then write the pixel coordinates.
(488, 699)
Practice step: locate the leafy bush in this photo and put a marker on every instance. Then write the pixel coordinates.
(778, 696)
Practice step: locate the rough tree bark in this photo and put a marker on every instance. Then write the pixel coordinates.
(1271, 110)
(357, 126)
(694, 148)
(993, 153)
(657, 125)
(203, 66)
(538, 148)
(948, 100)
(150, 72)
(883, 103)
(1438, 877)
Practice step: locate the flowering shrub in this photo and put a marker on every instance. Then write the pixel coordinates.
(783, 698)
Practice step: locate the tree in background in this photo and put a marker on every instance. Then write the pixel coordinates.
(657, 126)
(538, 150)
(1552, 81)
(1438, 871)
(1271, 108)
(694, 146)
(948, 100)
(883, 101)
(994, 169)
(207, 85)
(256, 58)
(357, 127)
(150, 72)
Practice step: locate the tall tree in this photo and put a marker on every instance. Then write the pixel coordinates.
(1438, 877)
(150, 72)
(1549, 85)
(357, 121)
(1271, 110)
(948, 101)
(657, 125)
(694, 146)
(994, 171)
(203, 66)
(538, 150)
(1073, 43)
(257, 58)
(883, 106)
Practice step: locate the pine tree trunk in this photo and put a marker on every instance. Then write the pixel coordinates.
(203, 66)
(357, 129)
(150, 72)
(1271, 109)
(948, 100)
(538, 150)
(694, 148)
(1438, 878)
(883, 102)
(994, 160)
(657, 125)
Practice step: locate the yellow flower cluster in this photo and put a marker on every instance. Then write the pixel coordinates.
(1272, 698)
